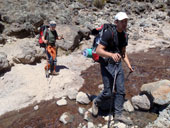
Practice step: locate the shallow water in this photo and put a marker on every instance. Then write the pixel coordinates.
(149, 67)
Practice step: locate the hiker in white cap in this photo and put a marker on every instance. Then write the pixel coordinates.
(49, 37)
(112, 49)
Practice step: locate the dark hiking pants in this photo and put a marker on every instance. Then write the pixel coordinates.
(108, 74)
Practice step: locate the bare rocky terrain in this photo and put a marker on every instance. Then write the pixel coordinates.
(29, 99)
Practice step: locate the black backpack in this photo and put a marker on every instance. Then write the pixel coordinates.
(98, 32)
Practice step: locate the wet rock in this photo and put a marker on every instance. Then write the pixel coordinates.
(4, 64)
(82, 98)
(141, 102)
(159, 90)
(66, 118)
(128, 106)
(61, 102)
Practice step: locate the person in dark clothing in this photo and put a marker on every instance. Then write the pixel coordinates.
(49, 37)
(114, 52)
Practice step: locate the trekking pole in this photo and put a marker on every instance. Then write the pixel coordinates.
(47, 73)
(129, 74)
(114, 82)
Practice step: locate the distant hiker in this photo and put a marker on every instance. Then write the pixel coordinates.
(49, 38)
(111, 50)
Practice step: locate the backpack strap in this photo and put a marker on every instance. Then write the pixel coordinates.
(115, 37)
(46, 31)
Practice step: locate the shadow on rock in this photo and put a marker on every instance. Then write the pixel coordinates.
(59, 67)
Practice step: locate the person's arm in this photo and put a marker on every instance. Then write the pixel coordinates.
(60, 37)
(44, 40)
(102, 52)
(104, 42)
(125, 58)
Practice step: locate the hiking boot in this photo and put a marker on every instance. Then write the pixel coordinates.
(123, 119)
(54, 73)
(47, 74)
(94, 108)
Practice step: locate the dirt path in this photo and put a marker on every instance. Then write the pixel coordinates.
(48, 113)
(26, 84)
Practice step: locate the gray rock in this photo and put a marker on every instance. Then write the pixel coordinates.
(159, 90)
(163, 121)
(72, 36)
(2, 27)
(141, 102)
(87, 116)
(24, 54)
(4, 64)
(36, 107)
(72, 93)
(81, 110)
(20, 30)
(61, 102)
(66, 118)
(128, 106)
(27, 53)
(90, 125)
(82, 98)
(2, 40)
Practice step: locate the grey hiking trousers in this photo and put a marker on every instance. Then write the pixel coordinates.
(108, 74)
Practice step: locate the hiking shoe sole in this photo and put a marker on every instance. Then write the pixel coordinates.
(94, 108)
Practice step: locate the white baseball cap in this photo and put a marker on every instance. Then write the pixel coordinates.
(52, 22)
(121, 16)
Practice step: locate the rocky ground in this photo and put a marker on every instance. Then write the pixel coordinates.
(22, 79)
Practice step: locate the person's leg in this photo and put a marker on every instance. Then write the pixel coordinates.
(119, 98)
(47, 67)
(54, 62)
(119, 91)
(106, 93)
(108, 84)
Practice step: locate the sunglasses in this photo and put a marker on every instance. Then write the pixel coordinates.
(52, 25)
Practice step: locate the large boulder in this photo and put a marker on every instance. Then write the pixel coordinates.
(20, 30)
(27, 53)
(160, 91)
(141, 102)
(163, 121)
(72, 36)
